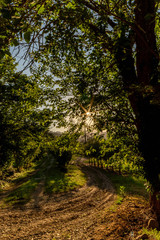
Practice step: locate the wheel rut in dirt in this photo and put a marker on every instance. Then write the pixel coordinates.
(70, 215)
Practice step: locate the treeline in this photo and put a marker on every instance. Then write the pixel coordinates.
(118, 154)
(26, 113)
(24, 118)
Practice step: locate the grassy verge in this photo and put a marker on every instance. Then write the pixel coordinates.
(22, 194)
(57, 181)
(128, 185)
(24, 184)
(153, 234)
(16, 178)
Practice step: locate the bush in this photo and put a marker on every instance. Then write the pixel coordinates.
(118, 154)
(63, 147)
(92, 148)
(63, 158)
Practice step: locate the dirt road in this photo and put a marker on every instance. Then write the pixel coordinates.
(73, 215)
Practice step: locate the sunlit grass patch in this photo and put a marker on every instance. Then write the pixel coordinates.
(17, 178)
(57, 181)
(154, 233)
(132, 185)
(22, 194)
(21, 176)
(24, 183)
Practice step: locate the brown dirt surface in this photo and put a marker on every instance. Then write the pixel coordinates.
(87, 213)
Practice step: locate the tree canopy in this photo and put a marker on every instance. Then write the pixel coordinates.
(24, 118)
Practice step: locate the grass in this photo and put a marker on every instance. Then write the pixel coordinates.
(128, 185)
(55, 181)
(16, 178)
(21, 194)
(152, 233)
(58, 181)
(27, 183)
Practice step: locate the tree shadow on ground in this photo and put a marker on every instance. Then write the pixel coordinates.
(97, 177)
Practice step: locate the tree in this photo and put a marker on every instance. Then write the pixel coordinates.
(127, 32)
(24, 118)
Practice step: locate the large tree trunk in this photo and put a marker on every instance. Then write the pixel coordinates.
(149, 144)
(155, 203)
(148, 116)
(144, 91)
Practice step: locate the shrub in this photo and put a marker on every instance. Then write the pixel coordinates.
(92, 148)
(63, 158)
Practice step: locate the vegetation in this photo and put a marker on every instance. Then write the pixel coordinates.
(129, 185)
(152, 233)
(24, 126)
(63, 147)
(105, 56)
(119, 155)
(62, 182)
(48, 173)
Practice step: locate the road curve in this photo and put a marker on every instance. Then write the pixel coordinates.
(72, 215)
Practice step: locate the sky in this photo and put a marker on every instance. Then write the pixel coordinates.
(19, 59)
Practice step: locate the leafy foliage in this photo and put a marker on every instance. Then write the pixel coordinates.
(118, 154)
(23, 123)
(102, 50)
(63, 147)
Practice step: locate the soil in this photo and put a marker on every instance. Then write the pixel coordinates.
(87, 213)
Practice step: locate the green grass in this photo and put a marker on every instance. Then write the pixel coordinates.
(57, 181)
(21, 194)
(152, 233)
(23, 176)
(24, 183)
(132, 185)
(17, 178)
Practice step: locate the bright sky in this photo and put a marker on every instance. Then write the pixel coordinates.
(19, 59)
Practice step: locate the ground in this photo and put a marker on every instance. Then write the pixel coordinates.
(91, 212)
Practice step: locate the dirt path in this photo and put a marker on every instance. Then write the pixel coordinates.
(73, 215)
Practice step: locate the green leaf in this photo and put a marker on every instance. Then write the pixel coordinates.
(41, 9)
(2, 53)
(2, 3)
(71, 5)
(27, 36)
(15, 42)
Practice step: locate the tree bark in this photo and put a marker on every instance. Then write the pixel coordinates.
(143, 88)
(148, 105)
(154, 199)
